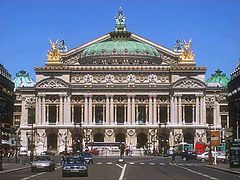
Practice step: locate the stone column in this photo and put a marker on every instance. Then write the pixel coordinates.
(147, 120)
(47, 120)
(150, 110)
(115, 114)
(204, 110)
(86, 110)
(180, 109)
(154, 109)
(94, 113)
(72, 119)
(36, 111)
(193, 111)
(136, 120)
(40, 110)
(104, 109)
(64, 109)
(201, 110)
(43, 109)
(133, 110)
(168, 114)
(197, 109)
(90, 110)
(82, 116)
(57, 114)
(61, 109)
(111, 110)
(158, 114)
(172, 110)
(218, 114)
(129, 110)
(125, 114)
(175, 110)
(67, 110)
(107, 110)
(183, 114)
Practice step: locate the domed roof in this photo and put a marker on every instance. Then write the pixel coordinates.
(123, 46)
(22, 79)
(218, 79)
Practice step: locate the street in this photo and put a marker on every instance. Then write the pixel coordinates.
(109, 168)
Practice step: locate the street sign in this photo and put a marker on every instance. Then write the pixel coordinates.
(215, 138)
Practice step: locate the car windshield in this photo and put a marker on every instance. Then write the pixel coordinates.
(86, 154)
(73, 160)
(42, 158)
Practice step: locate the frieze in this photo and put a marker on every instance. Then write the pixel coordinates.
(188, 83)
(88, 79)
(52, 83)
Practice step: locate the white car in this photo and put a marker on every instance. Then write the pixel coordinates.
(204, 156)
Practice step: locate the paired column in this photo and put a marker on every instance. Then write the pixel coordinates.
(154, 109)
(197, 109)
(180, 109)
(111, 110)
(90, 110)
(61, 109)
(129, 110)
(133, 110)
(43, 109)
(107, 110)
(150, 114)
(86, 109)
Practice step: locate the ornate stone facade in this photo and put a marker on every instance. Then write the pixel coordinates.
(139, 96)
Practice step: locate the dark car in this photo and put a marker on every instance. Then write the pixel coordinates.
(87, 157)
(43, 163)
(74, 166)
(186, 155)
(50, 153)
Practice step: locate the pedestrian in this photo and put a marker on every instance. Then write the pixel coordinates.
(173, 161)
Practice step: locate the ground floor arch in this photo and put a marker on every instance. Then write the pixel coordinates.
(141, 140)
(52, 141)
(120, 137)
(98, 137)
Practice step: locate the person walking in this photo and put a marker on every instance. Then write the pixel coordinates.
(173, 161)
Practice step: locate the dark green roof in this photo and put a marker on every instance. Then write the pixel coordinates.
(218, 78)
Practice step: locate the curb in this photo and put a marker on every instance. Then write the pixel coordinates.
(12, 170)
(223, 169)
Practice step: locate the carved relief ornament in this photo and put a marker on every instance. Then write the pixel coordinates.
(52, 83)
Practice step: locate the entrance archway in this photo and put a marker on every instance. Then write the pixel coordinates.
(52, 141)
(98, 137)
(189, 138)
(141, 140)
(120, 137)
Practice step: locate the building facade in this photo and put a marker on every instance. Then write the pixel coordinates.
(120, 87)
(234, 102)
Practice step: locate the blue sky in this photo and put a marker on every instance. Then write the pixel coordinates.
(26, 26)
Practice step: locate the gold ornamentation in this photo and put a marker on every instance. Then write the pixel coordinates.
(54, 55)
(187, 55)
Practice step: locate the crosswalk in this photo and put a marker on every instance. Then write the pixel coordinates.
(150, 163)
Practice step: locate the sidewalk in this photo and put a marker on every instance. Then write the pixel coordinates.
(225, 167)
(11, 167)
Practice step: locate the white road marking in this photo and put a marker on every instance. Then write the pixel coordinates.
(152, 163)
(162, 164)
(109, 162)
(131, 163)
(205, 175)
(38, 174)
(123, 171)
(119, 166)
(142, 163)
(99, 163)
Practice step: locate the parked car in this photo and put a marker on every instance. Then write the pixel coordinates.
(94, 151)
(74, 165)
(48, 153)
(65, 153)
(87, 157)
(186, 155)
(205, 156)
(43, 163)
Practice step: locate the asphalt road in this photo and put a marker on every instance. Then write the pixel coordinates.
(133, 168)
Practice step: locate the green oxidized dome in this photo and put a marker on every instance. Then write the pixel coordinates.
(218, 78)
(22, 79)
(120, 46)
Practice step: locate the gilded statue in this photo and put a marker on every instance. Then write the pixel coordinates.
(54, 54)
(187, 54)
